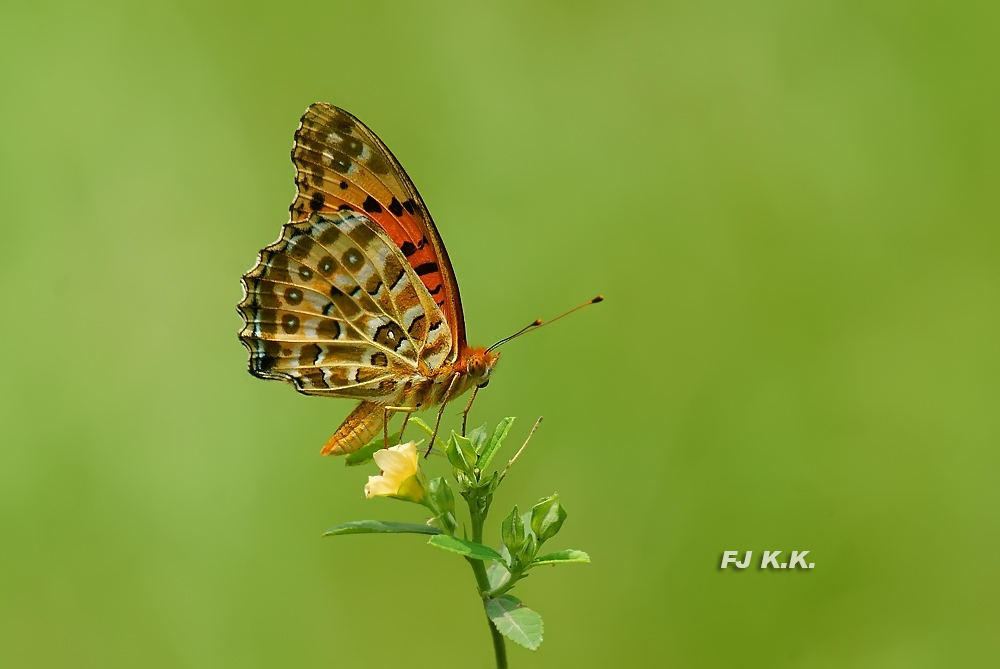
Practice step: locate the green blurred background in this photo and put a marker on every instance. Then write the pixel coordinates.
(791, 207)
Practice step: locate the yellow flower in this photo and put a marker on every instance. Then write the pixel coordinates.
(400, 475)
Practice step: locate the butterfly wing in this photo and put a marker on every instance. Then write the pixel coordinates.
(340, 164)
(334, 308)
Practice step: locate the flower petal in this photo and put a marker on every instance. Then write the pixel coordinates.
(378, 486)
(397, 462)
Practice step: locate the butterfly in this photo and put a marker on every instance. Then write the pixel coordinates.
(357, 298)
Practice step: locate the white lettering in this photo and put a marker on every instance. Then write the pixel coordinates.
(770, 559)
(799, 558)
(727, 557)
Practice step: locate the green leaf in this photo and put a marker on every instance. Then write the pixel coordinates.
(568, 556)
(490, 483)
(478, 438)
(505, 553)
(422, 425)
(380, 527)
(469, 549)
(460, 453)
(516, 621)
(366, 453)
(493, 445)
(497, 574)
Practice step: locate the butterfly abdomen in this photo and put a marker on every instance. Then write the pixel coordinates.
(361, 426)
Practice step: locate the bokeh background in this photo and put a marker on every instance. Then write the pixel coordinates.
(791, 207)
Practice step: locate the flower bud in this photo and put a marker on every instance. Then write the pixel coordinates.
(547, 517)
(440, 495)
(527, 551)
(512, 532)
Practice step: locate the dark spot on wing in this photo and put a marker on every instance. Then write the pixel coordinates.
(310, 354)
(371, 205)
(328, 329)
(390, 336)
(395, 207)
(395, 283)
(416, 327)
(290, 323)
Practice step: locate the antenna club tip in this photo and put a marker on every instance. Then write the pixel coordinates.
(538, 321)
(599, 298)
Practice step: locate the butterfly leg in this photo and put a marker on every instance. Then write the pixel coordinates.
(406, 419)
(468, 408)
(385, 424)
(444, 403)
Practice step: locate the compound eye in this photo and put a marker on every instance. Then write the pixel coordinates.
(484, 383)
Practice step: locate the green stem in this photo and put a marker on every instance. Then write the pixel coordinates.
(479, 569)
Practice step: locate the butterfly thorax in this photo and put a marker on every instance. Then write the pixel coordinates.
(472, 368)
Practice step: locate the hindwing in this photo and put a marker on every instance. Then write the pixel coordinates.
(334, 308)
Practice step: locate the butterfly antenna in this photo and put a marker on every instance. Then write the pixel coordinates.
(539, 323)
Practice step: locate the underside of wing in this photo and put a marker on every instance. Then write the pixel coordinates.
(340, 164)
(333, 308)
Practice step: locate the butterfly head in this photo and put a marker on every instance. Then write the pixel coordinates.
(479, 364)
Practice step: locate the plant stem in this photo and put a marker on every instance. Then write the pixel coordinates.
(479, 569)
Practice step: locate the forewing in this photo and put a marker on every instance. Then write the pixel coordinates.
(341, 164)
(334, 308)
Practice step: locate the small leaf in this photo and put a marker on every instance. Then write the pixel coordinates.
(422, 425)
(380, 527)
(497, 575)
(493, 445)
(429, 430)
(568, 556)
(478, 437)
(366, 453)
(469, 549)
(489, 484)
(460, 453)
(516, 621)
